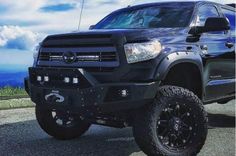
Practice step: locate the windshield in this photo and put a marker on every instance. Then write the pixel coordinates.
(148, 17)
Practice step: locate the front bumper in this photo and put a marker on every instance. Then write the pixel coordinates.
(88, 94)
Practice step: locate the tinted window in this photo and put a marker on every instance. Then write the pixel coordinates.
(148, 17)
(205, 12)
(231, 17)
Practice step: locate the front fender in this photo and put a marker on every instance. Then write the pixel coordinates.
(175, 58)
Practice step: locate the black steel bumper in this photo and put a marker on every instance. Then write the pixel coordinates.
(88, 93)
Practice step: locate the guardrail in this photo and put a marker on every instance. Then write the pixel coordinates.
(13, 97)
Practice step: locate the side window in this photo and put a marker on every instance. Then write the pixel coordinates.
(231, 17)
(205, 12)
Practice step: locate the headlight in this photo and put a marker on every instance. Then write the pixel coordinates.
(137, 52)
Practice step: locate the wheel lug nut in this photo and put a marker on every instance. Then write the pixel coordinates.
(188, 114)
(184, 141)
(190, 128)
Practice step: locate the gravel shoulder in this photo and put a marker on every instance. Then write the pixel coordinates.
(16, 103)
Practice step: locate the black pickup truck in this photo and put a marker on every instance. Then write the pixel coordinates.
(149, 66)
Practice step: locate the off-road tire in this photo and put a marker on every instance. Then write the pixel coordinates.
(145, 128)
(49, 125)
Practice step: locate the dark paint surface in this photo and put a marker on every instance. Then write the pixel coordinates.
(217, 61)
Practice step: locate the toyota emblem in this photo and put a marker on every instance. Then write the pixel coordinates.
(69, 57)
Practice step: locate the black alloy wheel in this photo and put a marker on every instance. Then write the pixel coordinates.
(176, 127)
(175, 124)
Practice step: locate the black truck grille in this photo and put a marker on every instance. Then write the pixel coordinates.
(81, 57)
(92, 51)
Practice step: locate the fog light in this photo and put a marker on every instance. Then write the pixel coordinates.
(75, 80)
(67, 80)
(46, 78)
(124, 93)
(39, 78)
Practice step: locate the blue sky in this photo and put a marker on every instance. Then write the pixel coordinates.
(25, 23)
(58, 7)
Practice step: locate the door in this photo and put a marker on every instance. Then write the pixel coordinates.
(218, 58)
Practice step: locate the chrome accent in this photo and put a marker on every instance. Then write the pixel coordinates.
(220, 82)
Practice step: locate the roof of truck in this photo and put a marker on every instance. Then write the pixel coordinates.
(232, 5)
(181, 3)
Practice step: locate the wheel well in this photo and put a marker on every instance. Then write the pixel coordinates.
(186, 75)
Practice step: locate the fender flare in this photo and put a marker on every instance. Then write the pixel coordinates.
(175, 58)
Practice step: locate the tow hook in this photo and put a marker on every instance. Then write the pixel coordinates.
(54, 97)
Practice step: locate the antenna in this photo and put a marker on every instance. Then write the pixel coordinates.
(81, 12)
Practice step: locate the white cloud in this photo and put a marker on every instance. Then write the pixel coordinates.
(14, 37)
(57, 22)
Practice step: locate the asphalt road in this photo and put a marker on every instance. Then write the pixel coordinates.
(20, 135)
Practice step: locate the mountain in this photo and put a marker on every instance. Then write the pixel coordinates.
(12, 79)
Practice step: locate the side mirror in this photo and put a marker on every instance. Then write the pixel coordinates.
(211, 24)
(91, 27)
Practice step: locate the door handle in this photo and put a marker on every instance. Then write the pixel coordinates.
(229, 44)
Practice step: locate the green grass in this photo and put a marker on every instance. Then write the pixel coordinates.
(10, 91)
(14, 98)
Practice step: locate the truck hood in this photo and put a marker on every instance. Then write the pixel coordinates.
(167, 35)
